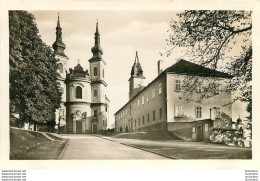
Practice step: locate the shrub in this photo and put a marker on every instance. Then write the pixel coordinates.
(227, 137)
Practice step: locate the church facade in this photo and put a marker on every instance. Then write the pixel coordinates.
(84, 105)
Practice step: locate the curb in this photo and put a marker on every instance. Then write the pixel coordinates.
(62, 152)
(106, 138)
(154, 152)
(143, 149)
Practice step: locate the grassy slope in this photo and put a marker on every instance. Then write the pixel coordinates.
(29, 145)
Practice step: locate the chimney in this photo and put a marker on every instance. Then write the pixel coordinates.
(160, 66)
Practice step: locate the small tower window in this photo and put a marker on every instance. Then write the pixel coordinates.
(95, 93)
(95, 114)
(95, 71)
(78, 92)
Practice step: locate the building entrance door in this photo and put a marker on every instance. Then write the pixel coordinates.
(78, 127)
(94, 128)
(200, 133)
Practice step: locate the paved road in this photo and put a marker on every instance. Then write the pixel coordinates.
(89, 147)
(189, 150)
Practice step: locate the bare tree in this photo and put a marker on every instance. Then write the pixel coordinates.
(220, 40)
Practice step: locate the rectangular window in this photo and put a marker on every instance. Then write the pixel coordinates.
(177, 85)
(198, 112)
(218, 113)
(143, 100)
(139, 121)
(147, 98)
(143, 120)
(178, 111)
(160, 113)
(95, 92)
(95, 113)
(199, 89)
(160, 88)
(138, 103)
(130, 109)
(153, 93)
(135, 122)
(153, 115)
(148, 118)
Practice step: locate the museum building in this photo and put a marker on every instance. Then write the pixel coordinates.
(164, 103)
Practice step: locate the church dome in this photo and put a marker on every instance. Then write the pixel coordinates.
(96, 49)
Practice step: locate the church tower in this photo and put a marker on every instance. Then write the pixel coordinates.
(99, 99)
(136, 81)
(59, 48)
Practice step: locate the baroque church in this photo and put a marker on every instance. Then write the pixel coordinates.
(84, 105)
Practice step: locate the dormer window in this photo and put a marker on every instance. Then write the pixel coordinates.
(78, 92)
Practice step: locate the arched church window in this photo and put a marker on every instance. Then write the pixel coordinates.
(95, 71)
(78, 92)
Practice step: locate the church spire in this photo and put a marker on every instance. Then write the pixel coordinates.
(58, 45)
(58, 23)
(137, 70)
(97, 50)
(97, 32)
(136, 58)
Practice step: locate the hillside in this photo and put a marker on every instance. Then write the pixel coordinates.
(30, 145)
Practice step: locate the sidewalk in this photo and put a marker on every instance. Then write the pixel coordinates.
(187, 150)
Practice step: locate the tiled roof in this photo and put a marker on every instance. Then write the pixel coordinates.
(189, 68)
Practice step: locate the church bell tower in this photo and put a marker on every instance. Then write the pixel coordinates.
(136, 81)
(99, 99)
(59, 48)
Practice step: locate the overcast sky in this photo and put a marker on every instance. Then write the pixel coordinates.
(122, 33)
